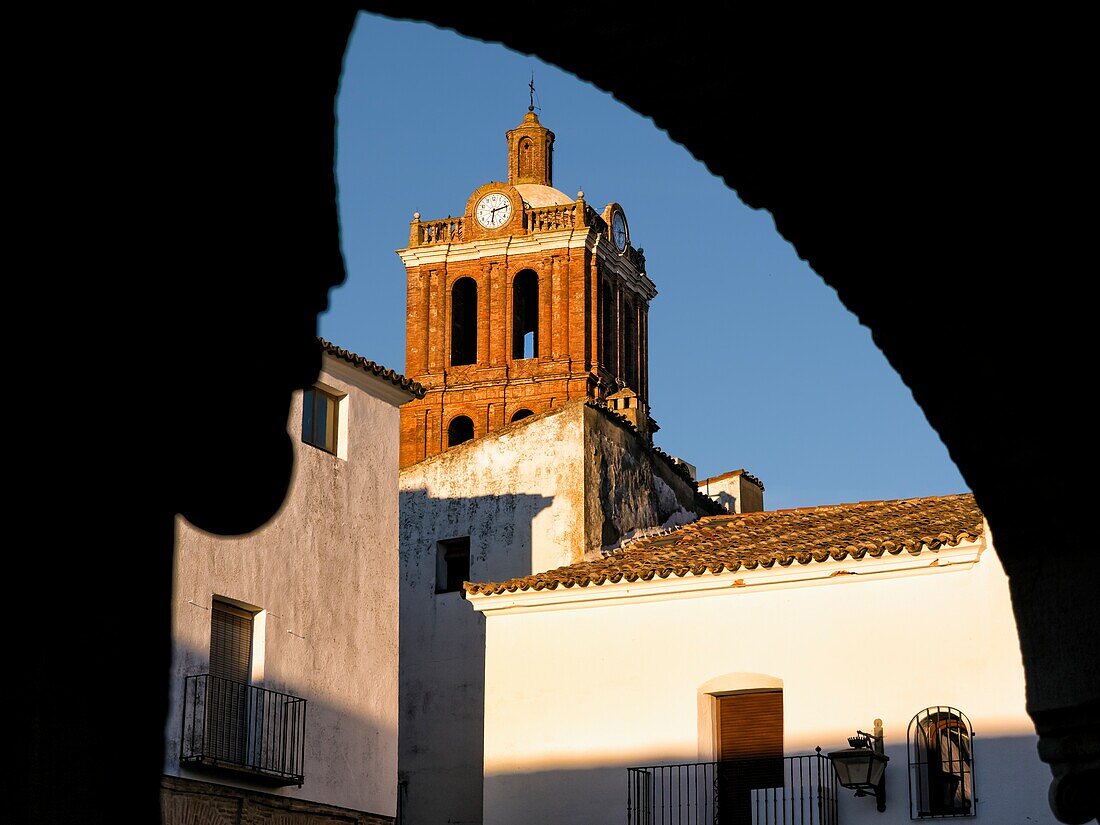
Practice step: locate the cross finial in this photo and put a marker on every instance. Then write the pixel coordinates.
(531, 85)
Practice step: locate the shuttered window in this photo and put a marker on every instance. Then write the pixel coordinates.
(750, 725)
(227, 693)
(750, 740)
(230, 642)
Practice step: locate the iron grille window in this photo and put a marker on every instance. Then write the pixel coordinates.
(319, 417)
(941, 764)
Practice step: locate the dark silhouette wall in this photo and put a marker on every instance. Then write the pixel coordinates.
(176, 227)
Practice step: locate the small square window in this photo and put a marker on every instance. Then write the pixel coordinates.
(452, 566)
(319, 419)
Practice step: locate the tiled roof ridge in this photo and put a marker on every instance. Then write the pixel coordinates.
(694, 549)
(373, 367)
(862, 502)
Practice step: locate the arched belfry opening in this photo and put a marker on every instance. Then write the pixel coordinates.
(607, 324)
(630, 345)
(519, 303)
(525, 315)
(464, 322)
(461, 429)
(526, 159)
(530, 152)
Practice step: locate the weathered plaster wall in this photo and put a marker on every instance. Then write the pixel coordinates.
(733, 492)
(575, 696)
(750, 496)
(325, 573)
(629, 488)
(532, 497)
(519, 496)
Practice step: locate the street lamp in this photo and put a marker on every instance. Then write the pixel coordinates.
(862, 766)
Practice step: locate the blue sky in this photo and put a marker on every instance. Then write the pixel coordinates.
(754, 362)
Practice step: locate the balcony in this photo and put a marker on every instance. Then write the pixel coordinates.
(229, 727)
(788, 790)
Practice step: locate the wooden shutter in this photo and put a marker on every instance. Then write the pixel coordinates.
(750, 749)
(750, 725)
(230, 642)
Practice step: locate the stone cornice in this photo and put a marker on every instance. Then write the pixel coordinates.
(540, 242)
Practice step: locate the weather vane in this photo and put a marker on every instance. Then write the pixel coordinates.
(531, 86)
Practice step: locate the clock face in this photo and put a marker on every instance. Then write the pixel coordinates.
(618, 230)
(494, 210)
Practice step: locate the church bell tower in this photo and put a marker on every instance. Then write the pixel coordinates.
(528, 300)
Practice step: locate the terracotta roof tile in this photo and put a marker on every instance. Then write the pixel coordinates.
(750, 540)
(373, 368)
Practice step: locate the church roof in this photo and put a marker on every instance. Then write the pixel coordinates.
(536, 195)
(749, 540)
(374, 368)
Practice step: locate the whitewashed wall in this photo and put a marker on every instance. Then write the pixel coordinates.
(325, 572)
(575, 694)
(519, 497)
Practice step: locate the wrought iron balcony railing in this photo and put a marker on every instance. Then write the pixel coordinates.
(788, 790)
(229, 726)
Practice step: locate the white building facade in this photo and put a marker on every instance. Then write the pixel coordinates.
(542, 492)
(785, 630)
(285, 641)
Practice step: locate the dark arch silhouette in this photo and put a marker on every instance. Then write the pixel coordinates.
(464, 322)
(460, 430)
(924, 191)
(934, 196)
(607, 322)
(628, 319)
(519, 415)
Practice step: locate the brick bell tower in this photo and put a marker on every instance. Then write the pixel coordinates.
(528, 300)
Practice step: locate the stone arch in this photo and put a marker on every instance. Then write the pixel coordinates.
(525, 314)
(526, 157)
(607, 324)
(811, 187)
(460, 430)
(706, 696)
(628, 321)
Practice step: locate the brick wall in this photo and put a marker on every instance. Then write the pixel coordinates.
(570, 362)
(191, 802)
